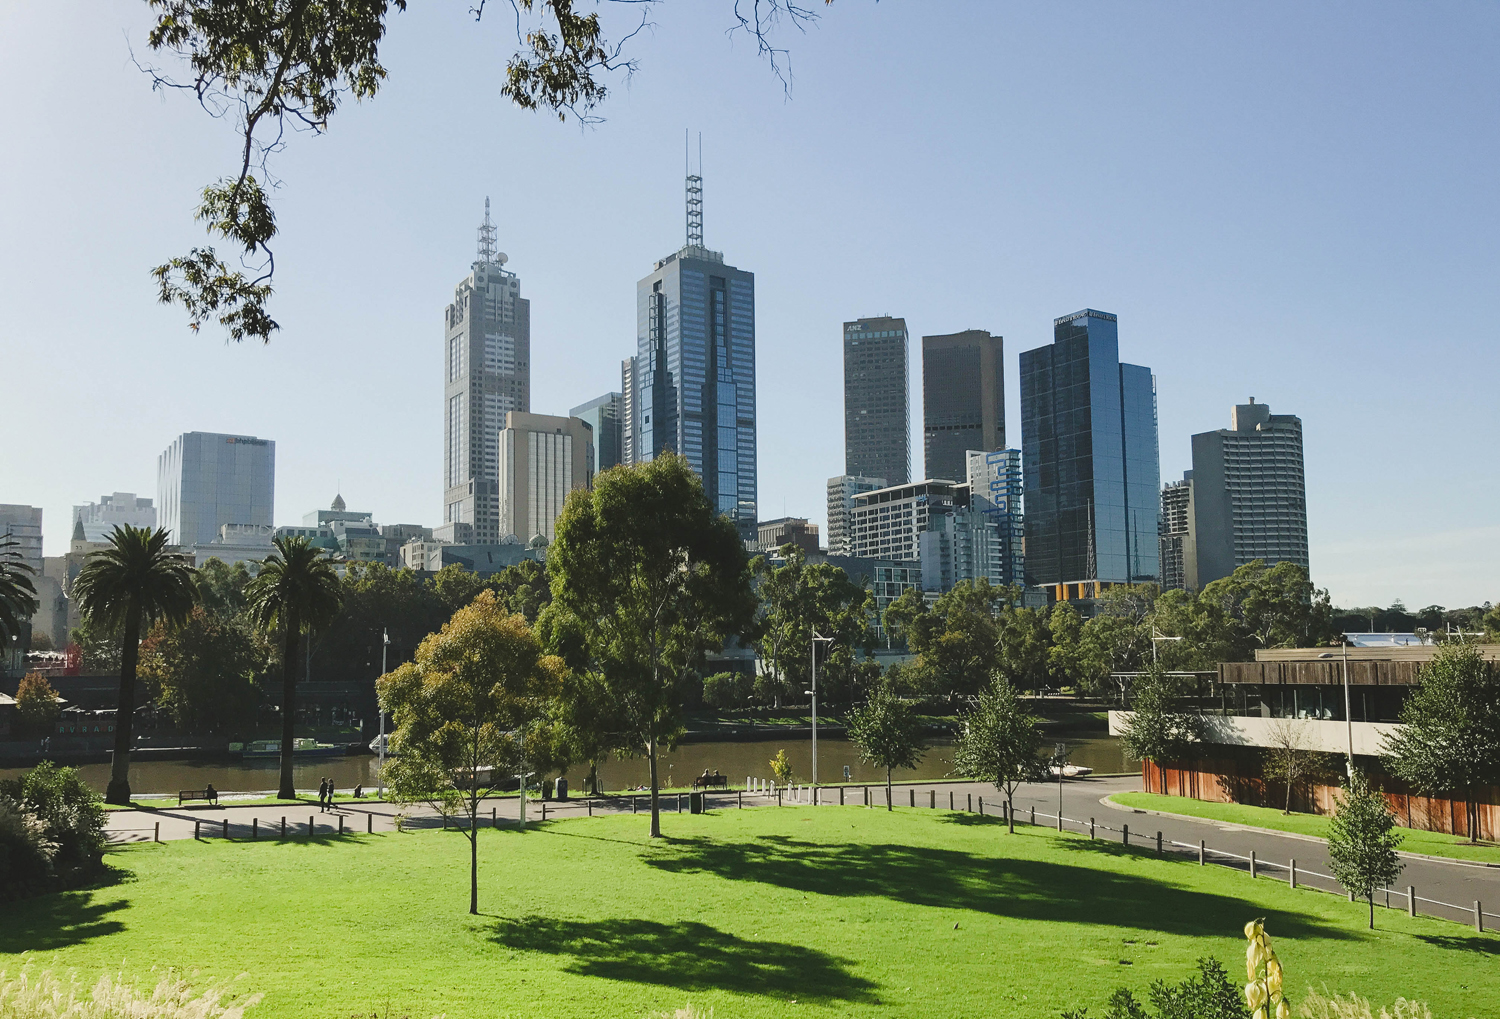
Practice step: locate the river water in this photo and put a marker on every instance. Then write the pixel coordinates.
(838, 761)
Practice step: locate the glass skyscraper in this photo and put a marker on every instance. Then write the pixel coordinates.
(693, 375)
(877, 425)
(205, 480)
(963, 400)
(1089, 455)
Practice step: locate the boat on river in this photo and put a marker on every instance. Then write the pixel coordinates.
(1069, 771)
(267, 748)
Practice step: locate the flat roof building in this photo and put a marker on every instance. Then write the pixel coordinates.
(877, 419)
(541, 459)
(963, 399)
(205, 480)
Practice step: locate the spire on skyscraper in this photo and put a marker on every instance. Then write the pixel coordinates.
(694, 193)
(487, 235)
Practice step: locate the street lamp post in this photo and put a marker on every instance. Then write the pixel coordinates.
(814, 691)
(385, 642)
(1348, 712)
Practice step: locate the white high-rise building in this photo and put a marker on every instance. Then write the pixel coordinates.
(487, 374)
(102, 517)
(205, 480)
(542, 459)
(841, 493)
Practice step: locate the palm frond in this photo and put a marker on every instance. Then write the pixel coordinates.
(136, 568)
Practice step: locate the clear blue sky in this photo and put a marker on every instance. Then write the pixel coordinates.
(1287, 201)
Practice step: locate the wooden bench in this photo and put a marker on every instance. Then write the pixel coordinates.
(211, 795)
(711, 782)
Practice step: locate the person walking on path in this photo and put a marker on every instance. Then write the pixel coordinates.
(322, 794)
(330, 795)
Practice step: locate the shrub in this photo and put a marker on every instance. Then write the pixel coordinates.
(25, 854)
(36, 705)
(727, 690)
(44, 996)
(1209, 995)
(71, 816)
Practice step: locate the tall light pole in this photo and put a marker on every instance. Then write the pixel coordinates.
(385, 642)
(814, 691)
(1157, 635)
(1348, 713)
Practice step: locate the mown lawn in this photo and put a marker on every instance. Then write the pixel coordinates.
(844, 911)
(1412, 840)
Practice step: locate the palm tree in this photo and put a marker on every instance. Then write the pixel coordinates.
(296, 590)
(17, 592)
(126, 588)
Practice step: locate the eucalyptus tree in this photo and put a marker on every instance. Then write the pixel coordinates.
(799, 600)
(125, 587)
(1000, 743)
(296, 591)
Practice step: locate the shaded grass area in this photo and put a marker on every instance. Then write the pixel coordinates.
(1412, 840)
(846, 911)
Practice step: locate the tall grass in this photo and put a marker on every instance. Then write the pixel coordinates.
(44, 995)
(1321, 1005)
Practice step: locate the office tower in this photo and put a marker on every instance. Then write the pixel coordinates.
(23, 525)
(1179, 547)
(958, 544)
(995, 491)
(693, 378)
(603, 415)
(1089, 459)
(963, 399)
(542, 459)
(1249, 492)
(486, 376)
(877, 425)
(628, 416)
(841, 493)
(888, 523)
(102, 517)
(772, 534)
(205, 480)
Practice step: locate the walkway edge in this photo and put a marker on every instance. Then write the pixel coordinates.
(1109, 801)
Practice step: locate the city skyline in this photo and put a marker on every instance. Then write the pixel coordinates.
(1242, 263)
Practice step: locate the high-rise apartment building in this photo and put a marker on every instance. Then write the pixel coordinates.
(205, 480)
(995, 488)
(1179, 547)
(603, 414)
(957, 544)
(102, 517)
(487, 374)
(1089, 459)
(841, 493)
(877, 423)
(692, 383)
(542, 459)
(1249, 492)
(888, 523)
(963, 399)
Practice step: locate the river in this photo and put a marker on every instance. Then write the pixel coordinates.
(838, 761)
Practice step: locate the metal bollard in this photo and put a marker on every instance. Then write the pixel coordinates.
(157, 836)
(544, 808)
(197, 829)
(1478, 917)
(950, 799)
(1202, 852)
(494, 822)
(913, 793)
(1252, 863)
(867, 796)
(1411, 900)
(932, 799)
(309, 827)
(1125, 835)
(591, 808)
(741, 795)
(254, 828)
(1033, 813)
(1158, 843)
(1091, 828)
(1292, 871)
(226, 827)
(369, 824)
(341, 824)
(841, 796)
(632, 804)
(283, 826)
(971, 803)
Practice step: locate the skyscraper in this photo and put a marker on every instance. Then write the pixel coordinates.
(693, 376)
(1089, 458)
(1179, 547)
(487, 374)
(542, 459)
(205, 480)
(841, 493)
(603, 415)
(877, 424)
(995, 489)
(963, 399)
(1249, 492)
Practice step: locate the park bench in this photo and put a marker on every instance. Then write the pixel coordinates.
(211, 795)
(711, 782)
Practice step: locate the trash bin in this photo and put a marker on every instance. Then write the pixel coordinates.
(562, 788)
(695, 803)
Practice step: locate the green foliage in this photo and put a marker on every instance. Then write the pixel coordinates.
(1209, 995)
(456, 586)
(1263, 607)
(17, 590)
(1290, 757)
(221, 588)
(1362, 842)
(969, 635)
(1160, 729)
(99, 648)
(60, 816)
(525, 588)
(25, 854)
(1000, 743)
(727, 690)
(36, 704)
(207, 671)
(887, 733)
(796, 601)
(781, 768)
(1450, 738)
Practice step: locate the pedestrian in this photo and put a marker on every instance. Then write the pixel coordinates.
(322, 794)
(330, 794)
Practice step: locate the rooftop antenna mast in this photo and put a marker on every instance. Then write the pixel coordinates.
(694, 192)
(487, 235)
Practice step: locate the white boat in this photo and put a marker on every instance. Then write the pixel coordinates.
(1069, 771)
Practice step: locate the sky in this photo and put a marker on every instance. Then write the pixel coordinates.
(1287, 201)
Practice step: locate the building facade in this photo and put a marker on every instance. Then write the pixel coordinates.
(963, 399)
(877, 420)
(1249, 492)
(788, 531)
(841, 493)
(888, 523)
(692, 382)
(958, 544)
(995, 490)
(1179, 548)
(23, 525)
(542, 459)
(487, 374)
(1089, 458)
(603, 415)
(102, 517)
(205, 480)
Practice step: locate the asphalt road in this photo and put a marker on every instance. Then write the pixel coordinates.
(1445, 889)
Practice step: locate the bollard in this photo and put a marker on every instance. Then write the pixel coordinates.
(226, 827)
(1033, 813)
(679, 803)
(867, 796)
(494, 822)
(1351, 896)
(950, 799)
(971, 803)
(1252, 863)
(632, 804)
(197, 829)
(913, 793)
(283, 826)
(544, 808)
(841, 796)
(1478, 917)
(1125, 835)
(1059, 819)
(591, 808)
(309, 827)
(341, 824)
(1091, 828)
(1158, 843)
(981, 806)
(778, 797)
(369, 824)
(932, 799)
(1292, 871)
(254, 828)
(157, 836)
(1411, 900)
(741, 795)
(1202, 852)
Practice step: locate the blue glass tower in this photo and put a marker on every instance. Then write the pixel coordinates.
(693, 376)
(1089, 453)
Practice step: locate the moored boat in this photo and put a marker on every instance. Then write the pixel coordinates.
(304, 747)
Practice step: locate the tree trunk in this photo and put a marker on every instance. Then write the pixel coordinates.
(1288, 809)
(594, 777)
(655, 814)
(118, 791)
(1010, 812)
(287, 790)
(888, 789)
(1370, 898)
(474, 852)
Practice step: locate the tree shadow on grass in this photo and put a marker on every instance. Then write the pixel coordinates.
(1475, 942)
(58, 920)
(953, 879)
(687, 956)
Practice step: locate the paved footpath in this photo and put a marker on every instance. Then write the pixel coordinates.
(1451, 887)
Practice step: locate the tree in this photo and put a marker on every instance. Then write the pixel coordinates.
(1064, 660)
(888, 734)
(279, 64)
(36, 704)
(1209, 995)
(1159, 730)
(42, 641)
(1450, 735)
(18, 601)
(69, 816)
(781, 769)
(99, 647)
(1291, 754)
(958, 639)
(1259, 607)
(1362, 842)
(464, 710)
(1023, 641)
(1117, 639)
(207, 671)
(652, 578)
(221, 588)
(296, 591)
(1000, 743)
(798, 600)
(727, 690)
(128, 586)
(525, 588)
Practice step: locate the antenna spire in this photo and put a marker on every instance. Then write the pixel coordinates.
(487, 235)
(694, 194)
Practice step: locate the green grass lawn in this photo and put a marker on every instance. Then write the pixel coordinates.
(916, 913)
(1412, 840)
